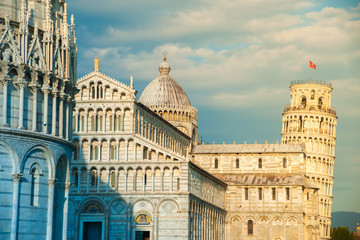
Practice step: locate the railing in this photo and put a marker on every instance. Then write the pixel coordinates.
(287, 108)
(310, 82)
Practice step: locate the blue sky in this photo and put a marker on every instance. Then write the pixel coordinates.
(235, 60)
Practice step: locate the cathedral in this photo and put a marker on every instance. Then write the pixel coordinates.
(88, 159)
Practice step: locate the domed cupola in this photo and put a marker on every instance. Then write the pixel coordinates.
(168, 99)
(164, 90)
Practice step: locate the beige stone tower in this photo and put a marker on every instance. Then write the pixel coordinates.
(310, 119)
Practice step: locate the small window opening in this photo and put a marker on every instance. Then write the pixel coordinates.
(260, 194)
(250, 227)
(112, 177)
(303, 102)
(287, 193)
(273, 193)
(246, 194)
(237, 163)
(284, 163)
(260, 163)
(216, 163)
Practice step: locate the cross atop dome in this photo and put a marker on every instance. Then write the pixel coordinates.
(165, 53)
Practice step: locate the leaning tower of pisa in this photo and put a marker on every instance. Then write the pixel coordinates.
(311, 120)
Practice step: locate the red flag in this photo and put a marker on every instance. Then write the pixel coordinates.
(312, 65)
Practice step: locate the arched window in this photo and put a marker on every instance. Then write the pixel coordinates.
(93, 178)
(93, 123)
(284, 163)
(93, 92)
(76, 180)
(216, 163)
(82, 122)
(112, 152)
(237, 163)
(112, 179)
(118, 123)
(250, 227)
(260, 163)
(320, 103)
(303, 102)
(94, 151)
(34, 191)
(312, 94)
(100, 123)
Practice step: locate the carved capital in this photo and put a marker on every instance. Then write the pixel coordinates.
(52, 182)
(17, 177)
(4, 80)
(21, 83)
(67, 185)
(46, 89)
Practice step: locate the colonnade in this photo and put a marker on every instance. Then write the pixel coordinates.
(100, 179)
(97, 90)
(52, 116)
(320, 165)
(206, 222)
(309, 124)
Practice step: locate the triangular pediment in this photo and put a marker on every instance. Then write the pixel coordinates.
(35, 55)
(8, 47)
(105, 80)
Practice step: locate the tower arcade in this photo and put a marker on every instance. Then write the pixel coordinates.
(310, 119)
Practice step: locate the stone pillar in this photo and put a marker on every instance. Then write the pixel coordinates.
(98, 181)
(54, 112)
(86, 121)
(104, 121)
(125, 182)
(171, 180)
(46, 90)
(126, 150)
(21, 83)
(65, 214)
(68, 120)
(5, 96)
(107, 180)
(15, 205)
(79, 181)
(117, 151)
(50, 213)
(156, 219)
(34, 107)
(87, 180)
(61, 116)
(153, 181)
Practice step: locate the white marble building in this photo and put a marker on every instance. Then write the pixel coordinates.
(37, 86)
(131, 178)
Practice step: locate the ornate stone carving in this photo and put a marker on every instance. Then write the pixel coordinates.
(17, 177)
(67, 186)
(52, 182)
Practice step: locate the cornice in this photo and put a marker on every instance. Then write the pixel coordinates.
(36, 135)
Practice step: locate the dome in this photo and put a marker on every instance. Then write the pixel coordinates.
(164, 90)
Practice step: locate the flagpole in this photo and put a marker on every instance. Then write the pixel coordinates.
(309, 71)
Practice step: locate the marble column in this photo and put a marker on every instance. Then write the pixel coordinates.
(50, 213)
(46, 90)
(87, 180)
(5, 97)
(98, 181)
(66, 207)
(126, 150)
(54, 112)
(15, 205)
(34, 107)
(61, 115)
(79, 181)
(21, 83)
